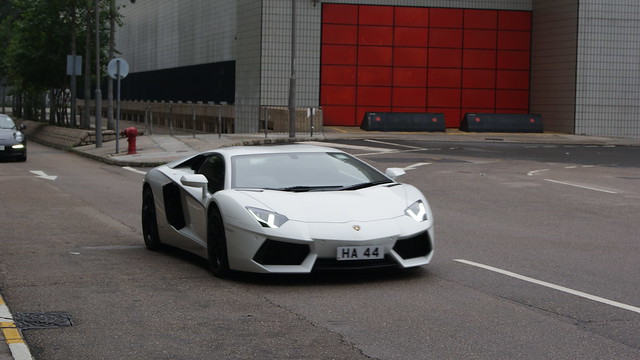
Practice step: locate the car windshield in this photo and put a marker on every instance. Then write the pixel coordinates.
(304, 171)
(6, 122)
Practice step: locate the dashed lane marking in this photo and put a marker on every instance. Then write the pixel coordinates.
(533, 172)
(552, 286)
(581, 186)
(395, 144)
(351, 147)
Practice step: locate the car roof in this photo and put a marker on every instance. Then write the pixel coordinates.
(229, 152)
(273, 149)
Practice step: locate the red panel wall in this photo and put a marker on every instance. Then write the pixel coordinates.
(411, 59)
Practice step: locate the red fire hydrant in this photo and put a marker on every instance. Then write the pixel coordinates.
(130, 133)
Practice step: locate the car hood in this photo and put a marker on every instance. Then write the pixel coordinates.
(7, 137)
(368, 204)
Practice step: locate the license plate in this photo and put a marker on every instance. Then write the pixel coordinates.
(1, 147)
(360, 252)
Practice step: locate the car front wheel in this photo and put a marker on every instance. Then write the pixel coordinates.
(149, 221)
(217, 245)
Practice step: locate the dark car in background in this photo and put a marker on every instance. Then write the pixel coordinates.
(13, 143)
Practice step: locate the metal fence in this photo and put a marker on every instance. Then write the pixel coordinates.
(180, 118)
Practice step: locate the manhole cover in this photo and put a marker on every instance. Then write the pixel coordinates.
(43, 320)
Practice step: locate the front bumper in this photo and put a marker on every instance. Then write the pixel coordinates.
(302, 248)
(12, 151)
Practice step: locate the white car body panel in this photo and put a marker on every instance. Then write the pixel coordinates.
(323, 220)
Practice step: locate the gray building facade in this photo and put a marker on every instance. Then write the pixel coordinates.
(583, 71)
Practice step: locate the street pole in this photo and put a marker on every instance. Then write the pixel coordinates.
(292, 79)
(112, 29)
(118, 109)
(98, 90)
(73, 119)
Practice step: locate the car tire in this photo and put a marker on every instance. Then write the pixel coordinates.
(217, 245)
(149, 221)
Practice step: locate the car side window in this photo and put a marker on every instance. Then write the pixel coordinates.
(213, 169)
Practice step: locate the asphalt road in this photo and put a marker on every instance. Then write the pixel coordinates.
(537, 256)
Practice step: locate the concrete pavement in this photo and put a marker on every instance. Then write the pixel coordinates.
(159, 148)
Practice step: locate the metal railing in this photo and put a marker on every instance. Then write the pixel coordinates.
(198, 118)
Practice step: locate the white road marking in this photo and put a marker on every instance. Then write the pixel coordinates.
(553, 286)
(533, 172)
(351, 147)
(41, 174)
(394, 144)
(416, 165)
(134, 170)
(581, 186)
(12, 336)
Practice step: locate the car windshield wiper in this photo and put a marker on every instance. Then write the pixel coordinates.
(366, 184)
(309, 188)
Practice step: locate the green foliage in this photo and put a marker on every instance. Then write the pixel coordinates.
(38, 34)
(37, 37)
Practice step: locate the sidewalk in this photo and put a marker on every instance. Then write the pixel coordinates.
(156, 149)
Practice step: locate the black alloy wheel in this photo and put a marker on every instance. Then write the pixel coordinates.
(217, 245)
(149, 220)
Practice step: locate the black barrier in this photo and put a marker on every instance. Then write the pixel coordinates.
(509, 123)
(385, 121)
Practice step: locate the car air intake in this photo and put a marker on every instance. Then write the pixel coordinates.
(274, 252)
(413, 247)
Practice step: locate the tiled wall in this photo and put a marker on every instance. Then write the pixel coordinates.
(276, 42)
(163, 34)
(276, 53)
(417, 59)
(608, 68)
(248, 64)
(553, 62)
(584, 69)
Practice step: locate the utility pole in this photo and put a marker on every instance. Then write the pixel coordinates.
(86, 118)
(73, 119)
(292, 79)
(98, 90)
(112, 30)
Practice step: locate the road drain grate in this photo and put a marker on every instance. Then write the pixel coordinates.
(43, 320)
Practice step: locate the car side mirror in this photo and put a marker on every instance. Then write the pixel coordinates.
(196, 180)
(22, 126)
(394, 173)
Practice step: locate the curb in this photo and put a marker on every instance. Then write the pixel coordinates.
(12, 335)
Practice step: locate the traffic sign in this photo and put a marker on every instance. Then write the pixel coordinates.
(118, 67)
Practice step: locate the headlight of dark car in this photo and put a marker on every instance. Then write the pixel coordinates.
(19, 136)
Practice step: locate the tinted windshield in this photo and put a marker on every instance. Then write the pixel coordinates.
(6, 122)
(302, 172)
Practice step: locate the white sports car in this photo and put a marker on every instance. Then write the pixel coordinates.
(286, 209)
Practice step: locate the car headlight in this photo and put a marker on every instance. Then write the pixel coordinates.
(19, 136)
(17, 146)
(266, 218)
(417, 211)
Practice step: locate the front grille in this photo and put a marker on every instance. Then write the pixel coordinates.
(416, 246)
(333, 264)
(274, 252)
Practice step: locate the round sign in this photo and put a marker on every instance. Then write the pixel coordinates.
(118, 66)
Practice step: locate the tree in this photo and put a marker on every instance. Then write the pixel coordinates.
(40, 34)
